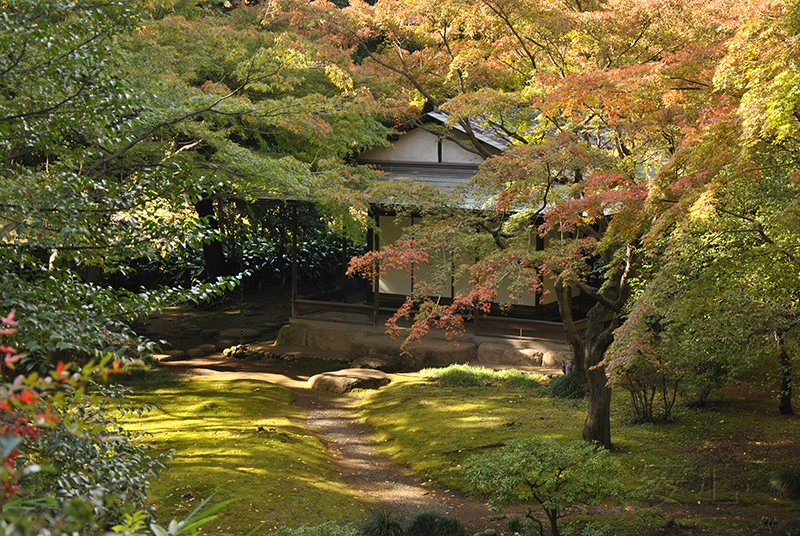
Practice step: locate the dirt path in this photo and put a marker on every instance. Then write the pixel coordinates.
(352, 445)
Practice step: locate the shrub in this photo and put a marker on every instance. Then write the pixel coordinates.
(514, 524)
(65, 464)
(786, 483)
(382, 522)
(652, 386)
(435, 524)
(567, 387)
(541, 470)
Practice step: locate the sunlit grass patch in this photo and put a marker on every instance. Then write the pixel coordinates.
(467, 376)
(432, 427)
(720, 455)
(243, 440)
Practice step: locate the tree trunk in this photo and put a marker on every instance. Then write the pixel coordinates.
(785, 406)
(597, 427)
(216, 264)
(564, 297)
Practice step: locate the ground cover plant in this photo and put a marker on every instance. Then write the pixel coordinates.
(242, 440)
(720, 457)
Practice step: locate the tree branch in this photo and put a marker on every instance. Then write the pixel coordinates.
(591, 291)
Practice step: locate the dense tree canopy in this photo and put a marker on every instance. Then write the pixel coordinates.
(120, 130)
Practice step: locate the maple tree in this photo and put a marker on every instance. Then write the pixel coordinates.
(725, 302)
(595, 98)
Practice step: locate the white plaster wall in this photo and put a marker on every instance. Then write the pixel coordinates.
(452, 153)
(420, 146)
(413, 146)
(394, 281)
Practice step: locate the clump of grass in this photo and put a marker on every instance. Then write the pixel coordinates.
(382, 522)
(435, 524)
(328, 528)
(514, 524)
(467, 376)
(567, 387)
(786, 482)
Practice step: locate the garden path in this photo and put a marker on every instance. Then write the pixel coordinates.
(352, 445)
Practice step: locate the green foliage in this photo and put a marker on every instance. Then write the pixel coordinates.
(785, 482)
(567, 387)
(542, 471)
(328, 528)
(435, 524)
(106, 466)
(383, 522)
(467, 376)
(66, 465)
(653, 390)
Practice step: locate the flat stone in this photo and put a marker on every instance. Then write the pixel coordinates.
(224, 343)
(176, 355)
(504, 354)
(208, 348)
(209, 333)
(342, 381)
(237, 334)
(292, 335)
(331, 339)
(417, 355)
(191, 331)
(555, 358)
(195, 352)
(382, 363)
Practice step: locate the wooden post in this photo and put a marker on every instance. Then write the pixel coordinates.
(344, 266)
(376, 284)
(294, 261)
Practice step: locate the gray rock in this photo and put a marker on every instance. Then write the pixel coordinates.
(554, 358)
(568, 367)
(292, 335)
(209, 333)
(331, 339)
(382, 363)
(418, 355)
(208, 348)
(489, 532)
(342, 381)
(240, 334)
(195, 352)
(504, 354)
(176, 355)
(191, 331)
(225, 343)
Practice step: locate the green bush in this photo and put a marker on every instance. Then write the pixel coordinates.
(382, 522)
(435, 524)
(786, 482)
(104, 466)
(567, 387)
(541, 470)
